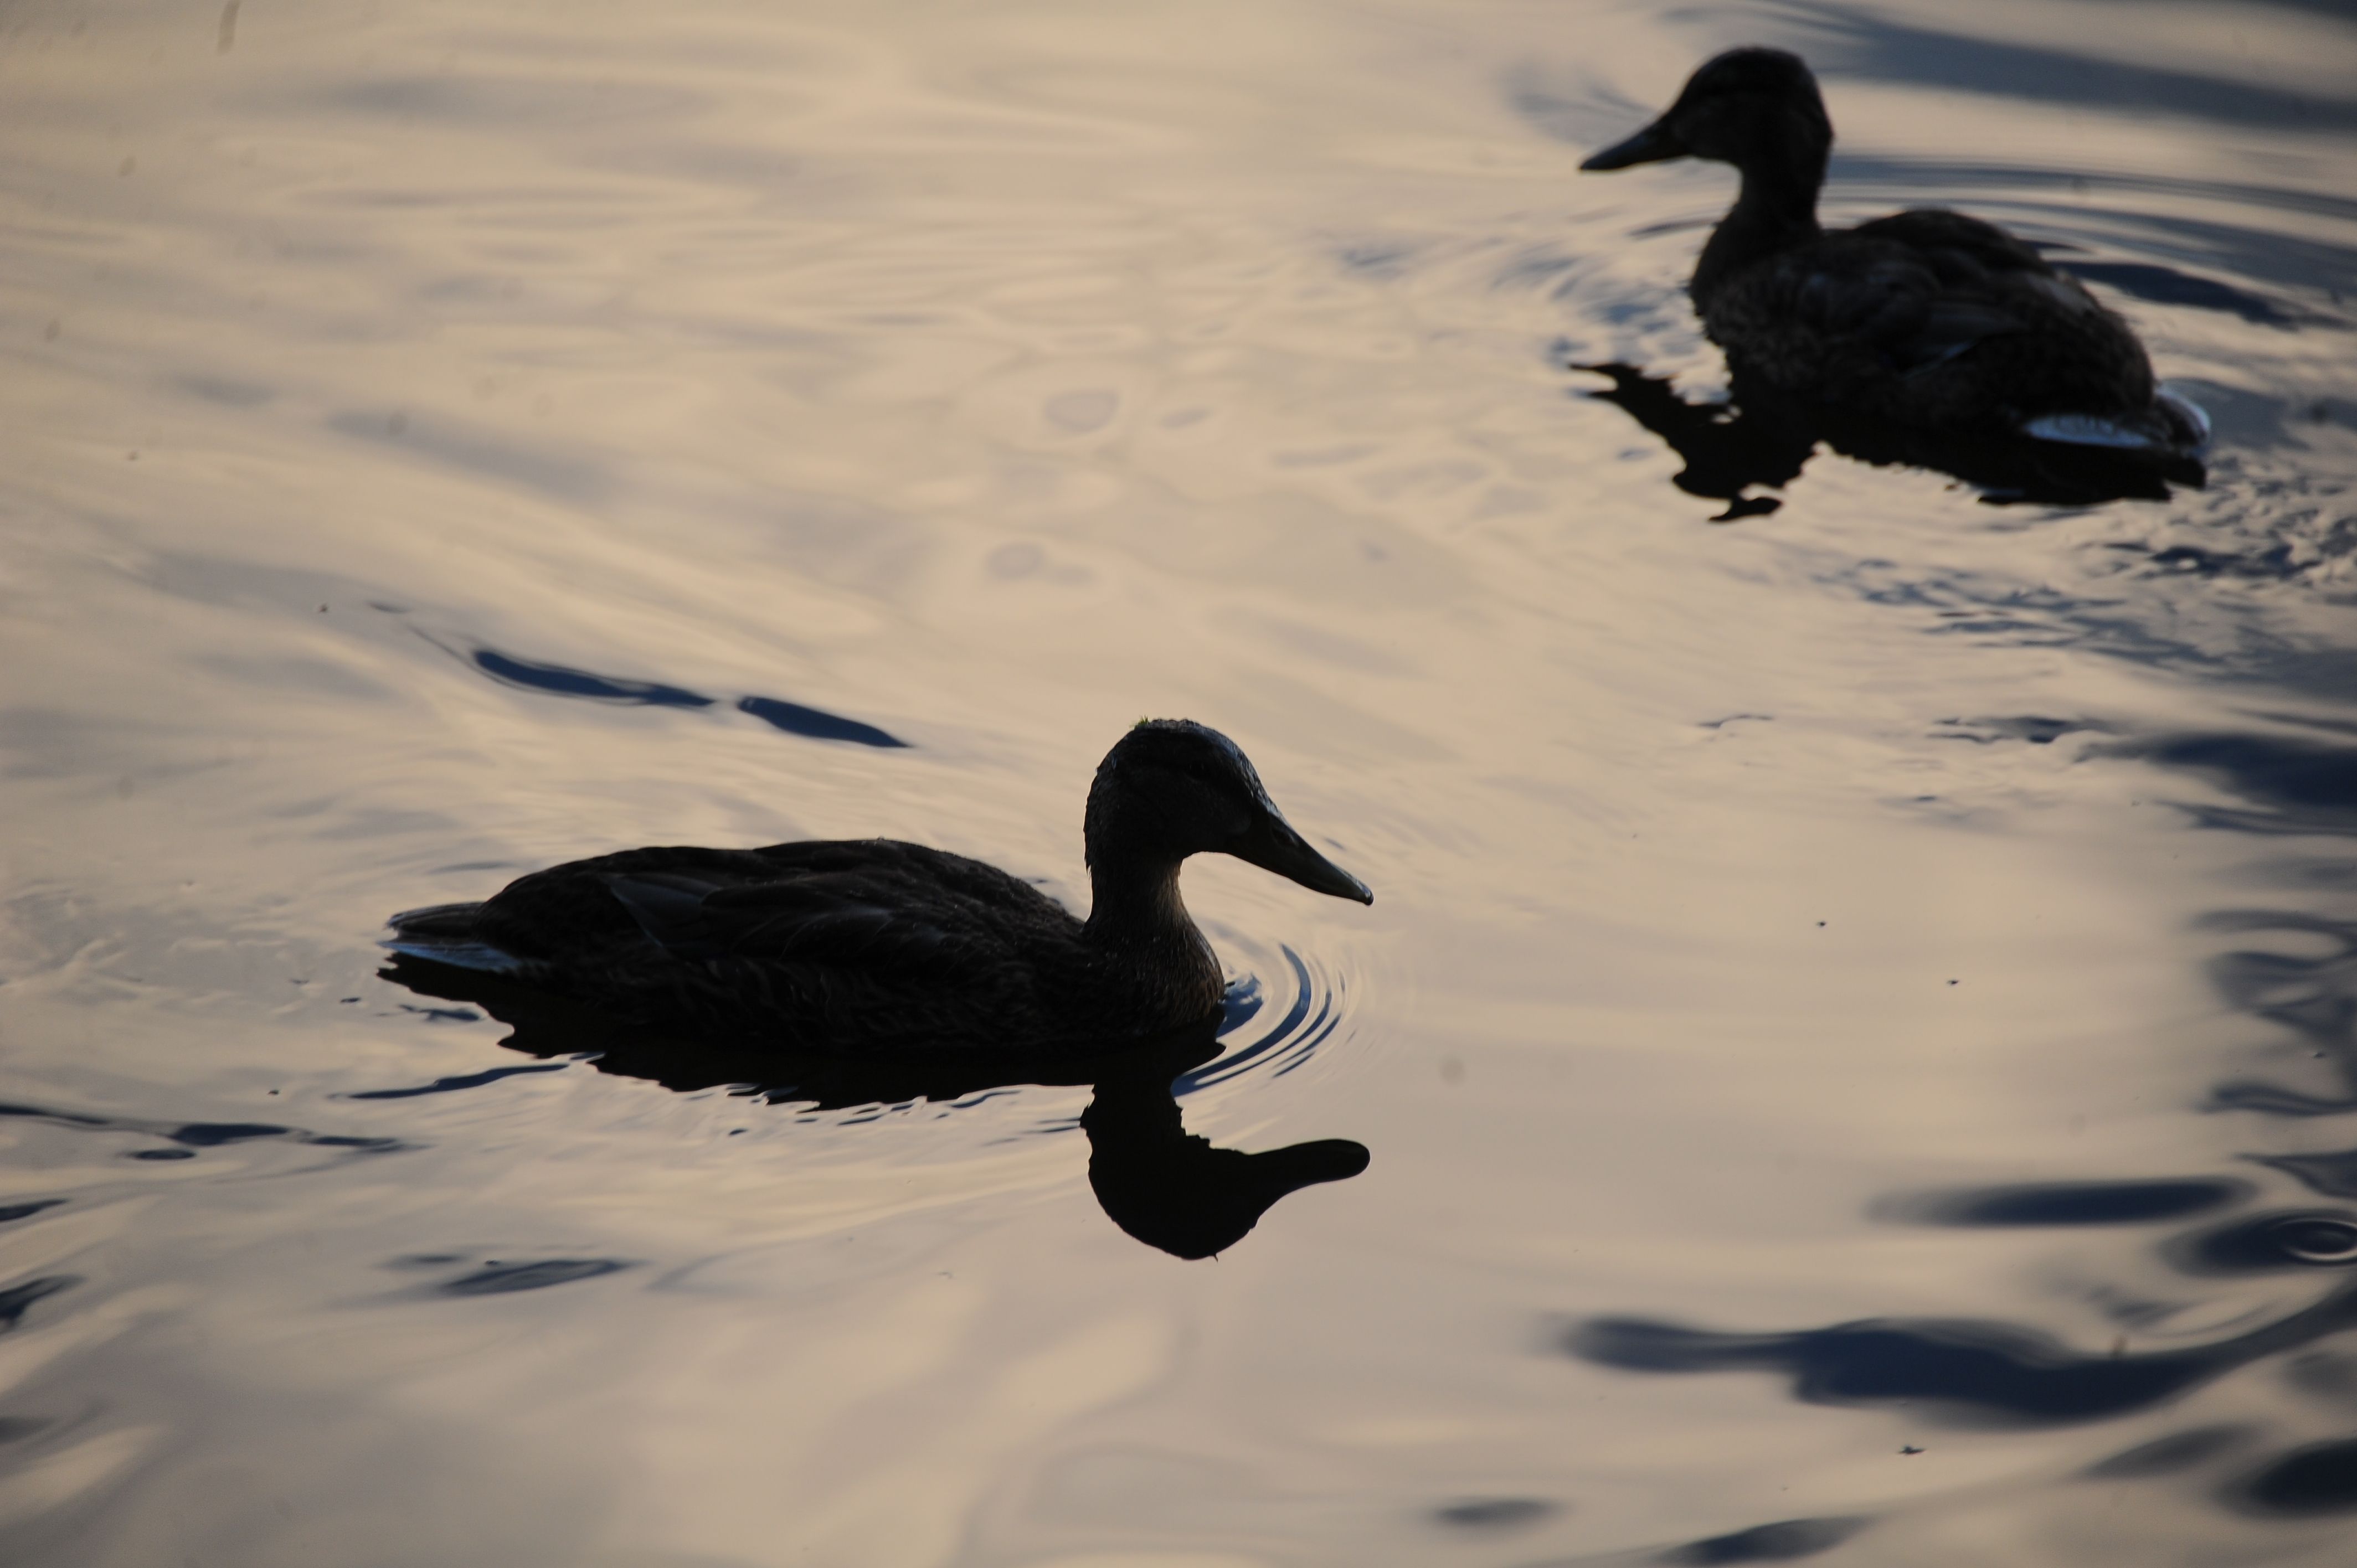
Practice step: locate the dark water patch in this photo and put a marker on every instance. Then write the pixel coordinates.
(493, 100)
(213, 1134)
(18, 1299)
(194, 1135)
(1375, 257)
(2168, 285)
(2309, 1482)
(507, 1279)
(2262, 1243)
(2303, 785)
(563, 476)
(1857, 43)
(2008, 613)
(2292, 260)
(1546, 267)
(2334, 1175)
(2329, 10)
(2065, 1203)
(1499, 1514)
(452, 1085)
(1972, 1370)
(566, 682)
(2275, 1100)
(2326, 1375)
(224, 390)
(12, 1212)
(2171, 1456)
(442, 1015)
(2268, 563)
(2036, 730)
(2312, 995)
(813, 723)
(1787, 1541)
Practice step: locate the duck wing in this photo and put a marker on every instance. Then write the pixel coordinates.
(839, 941)
(1919, 289)
(1933, 232)
(845, 918)
(1907, 306)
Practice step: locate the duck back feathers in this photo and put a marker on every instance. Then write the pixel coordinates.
(850, 942)
(1932, 317)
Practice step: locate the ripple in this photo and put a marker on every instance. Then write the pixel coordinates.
(2320, 1478)
(1311, 1001)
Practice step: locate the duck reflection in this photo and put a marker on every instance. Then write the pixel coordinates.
(1758, 437)
(1166, 1187)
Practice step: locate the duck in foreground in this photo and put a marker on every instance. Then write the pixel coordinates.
(873, 945)
(1925, 317)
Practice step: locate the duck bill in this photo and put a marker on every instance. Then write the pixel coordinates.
(1273, 845)
(1652, 144)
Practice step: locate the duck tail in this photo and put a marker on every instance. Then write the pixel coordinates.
(447, 933)
(2174, 425)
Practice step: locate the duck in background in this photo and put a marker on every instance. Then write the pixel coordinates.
(875, 947)
(1927, 319)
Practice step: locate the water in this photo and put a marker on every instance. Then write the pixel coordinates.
(1855, 1040)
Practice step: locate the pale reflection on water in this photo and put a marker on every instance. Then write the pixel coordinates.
(443, 440)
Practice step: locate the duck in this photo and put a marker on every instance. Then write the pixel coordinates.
(870, 947)
(1926, 319)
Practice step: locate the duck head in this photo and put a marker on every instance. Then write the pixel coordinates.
(1749, 107)
(1172, 788)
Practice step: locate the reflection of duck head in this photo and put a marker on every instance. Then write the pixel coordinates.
(1172, 1189)
(1159, 1182)
(875, 945)
(1926, 319)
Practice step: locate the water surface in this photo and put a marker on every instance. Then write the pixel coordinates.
(1856, 1040)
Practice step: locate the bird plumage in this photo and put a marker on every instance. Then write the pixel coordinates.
(1926, 317)
(853, 945)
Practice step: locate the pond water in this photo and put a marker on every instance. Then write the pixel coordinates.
(1856, 1043)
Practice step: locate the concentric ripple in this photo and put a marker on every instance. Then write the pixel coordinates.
(1273, 1030)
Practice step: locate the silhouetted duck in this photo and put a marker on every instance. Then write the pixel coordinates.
(877, 945)
(1925, 317)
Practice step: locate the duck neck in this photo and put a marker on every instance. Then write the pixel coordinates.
(1776, 212)
(1139, 925)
